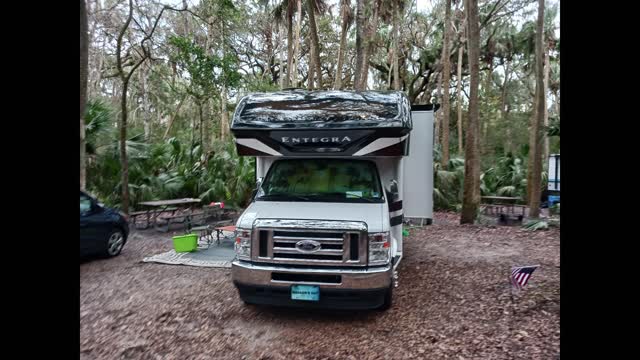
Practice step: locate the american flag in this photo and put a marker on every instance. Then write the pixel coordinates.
(521, 275)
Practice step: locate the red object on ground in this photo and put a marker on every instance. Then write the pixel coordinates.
(221, 204)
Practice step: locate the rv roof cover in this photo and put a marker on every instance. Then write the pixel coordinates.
(300, 109)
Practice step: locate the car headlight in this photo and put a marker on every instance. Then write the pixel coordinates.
(243, 244)
(379, 248)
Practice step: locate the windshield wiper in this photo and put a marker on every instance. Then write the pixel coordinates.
(342, 195)
(284, 195)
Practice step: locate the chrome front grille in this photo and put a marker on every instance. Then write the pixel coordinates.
(332, 243)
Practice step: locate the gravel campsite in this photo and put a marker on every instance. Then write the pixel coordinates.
(453, 301)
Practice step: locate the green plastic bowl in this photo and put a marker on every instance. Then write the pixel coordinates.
(185, 243)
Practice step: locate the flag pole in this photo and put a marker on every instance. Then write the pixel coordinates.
(513, 307)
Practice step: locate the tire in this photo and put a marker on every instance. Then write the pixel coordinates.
(388, 299)
(115, 243)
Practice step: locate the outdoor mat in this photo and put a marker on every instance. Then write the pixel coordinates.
(217, 256)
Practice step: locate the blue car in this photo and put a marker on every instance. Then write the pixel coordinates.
(103, 231)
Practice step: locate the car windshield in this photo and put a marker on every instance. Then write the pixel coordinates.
(85, 204)
(334, 180)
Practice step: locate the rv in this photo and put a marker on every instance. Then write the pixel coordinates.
(334, 172)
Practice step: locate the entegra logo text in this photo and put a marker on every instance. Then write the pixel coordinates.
(297, 140)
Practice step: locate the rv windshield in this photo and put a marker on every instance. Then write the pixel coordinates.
(335, 180)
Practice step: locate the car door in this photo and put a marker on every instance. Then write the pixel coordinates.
(93, 226)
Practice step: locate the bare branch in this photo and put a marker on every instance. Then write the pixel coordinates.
(119, 41)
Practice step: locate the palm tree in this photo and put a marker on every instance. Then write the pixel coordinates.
(99, 115)
(534, 177)
(315, 7)
(471, 194)
(366, 25)
(390, 13)
(346, 14)
(284, 11)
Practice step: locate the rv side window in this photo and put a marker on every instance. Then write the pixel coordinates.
(335, 180)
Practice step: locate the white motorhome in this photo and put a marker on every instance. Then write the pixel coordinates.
(324, 228)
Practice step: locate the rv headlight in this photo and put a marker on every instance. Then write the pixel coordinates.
(379, 248)
(243, 243)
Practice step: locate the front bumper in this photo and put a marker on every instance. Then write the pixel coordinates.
(339, 288)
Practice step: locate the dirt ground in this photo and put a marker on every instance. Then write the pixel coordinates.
(453, 302)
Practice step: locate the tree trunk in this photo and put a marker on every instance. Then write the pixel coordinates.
(315, 42)
(288, 80)
(471, 193)
(446, 72)
(173, 118)
(271, 56)
(145, 104)
(95, 88)
(124, 161)
(343, 44)
(504, 109)
(84, 65)
(224, 114)
(206, 123)
(534, 176)
(459, 97)
(372, 26)
(312, 69)
(484, 143)
(201, 127)
(186, 26)
(438, 114)
(125, 77)
(360, 23)
(396, 49)
(296, 46)
(193, 129)
(557, 103)
(281, 59)
(205, 105)
(546, 109)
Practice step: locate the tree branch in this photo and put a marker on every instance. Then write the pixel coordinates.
(491, 13)
(119, 41)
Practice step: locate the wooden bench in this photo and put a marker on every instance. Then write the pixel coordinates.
(491, 209)
(505, 209)
(148, 216)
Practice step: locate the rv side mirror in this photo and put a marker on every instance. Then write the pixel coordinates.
(393, 188)
(255, 191)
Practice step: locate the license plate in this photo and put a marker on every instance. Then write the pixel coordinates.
(305, 292)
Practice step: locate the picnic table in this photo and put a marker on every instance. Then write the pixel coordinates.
(505, 207)
(157, 207)
(503, 200)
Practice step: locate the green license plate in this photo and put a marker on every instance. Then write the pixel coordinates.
(305, 292)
